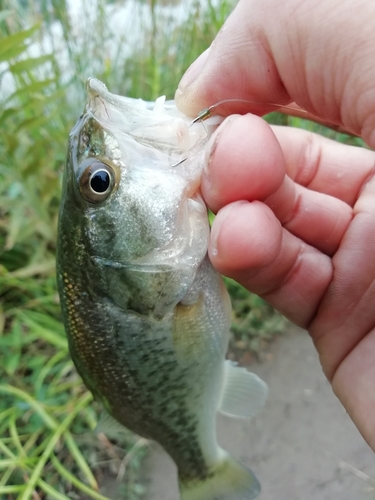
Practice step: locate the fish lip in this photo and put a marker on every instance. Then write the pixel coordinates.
(97, 89)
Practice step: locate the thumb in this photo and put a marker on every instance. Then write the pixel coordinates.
(318, 54)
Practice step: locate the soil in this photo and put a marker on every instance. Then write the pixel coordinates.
(302, 446)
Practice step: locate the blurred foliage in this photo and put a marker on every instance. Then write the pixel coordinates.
(293, 121)
(254, 324)
(47, 50)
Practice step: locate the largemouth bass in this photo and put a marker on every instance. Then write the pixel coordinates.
(147, 316)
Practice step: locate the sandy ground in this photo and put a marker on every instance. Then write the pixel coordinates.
(302, 446)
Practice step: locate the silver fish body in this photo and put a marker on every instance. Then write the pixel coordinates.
(147, 317)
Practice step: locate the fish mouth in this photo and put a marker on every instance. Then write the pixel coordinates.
(158, 125)
(96, 89)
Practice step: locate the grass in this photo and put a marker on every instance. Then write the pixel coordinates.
(48, 449)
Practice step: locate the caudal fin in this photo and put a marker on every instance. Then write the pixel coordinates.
(228, 480)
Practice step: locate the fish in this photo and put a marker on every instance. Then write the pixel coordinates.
(146, 315)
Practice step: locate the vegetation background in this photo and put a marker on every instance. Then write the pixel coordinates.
(48, 48)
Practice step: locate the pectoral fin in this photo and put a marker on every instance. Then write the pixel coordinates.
(189, 338)
(244, 393)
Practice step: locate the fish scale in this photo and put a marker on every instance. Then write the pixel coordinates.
(135, 392)
(146, 315)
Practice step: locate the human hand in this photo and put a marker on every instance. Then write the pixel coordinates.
(295, 211)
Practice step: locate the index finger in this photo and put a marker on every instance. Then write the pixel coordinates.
(245, 162)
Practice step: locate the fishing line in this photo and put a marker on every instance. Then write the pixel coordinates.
(207, 112)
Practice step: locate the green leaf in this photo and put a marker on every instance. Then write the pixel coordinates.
(35, 121)
(50, 336)
(29, 63)
(11, 363)
(27, 90)
(80, 461)
(72, 479)
(9, 113)
(45, 321)
(12, 52)
(15, 41)
(4, 14)
(49, 421)
(11, 489)
(58, 432)
(51, 492)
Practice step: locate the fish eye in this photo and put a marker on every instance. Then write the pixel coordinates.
(100, 182)
(97, 180)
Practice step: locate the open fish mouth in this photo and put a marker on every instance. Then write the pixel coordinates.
(156, 124)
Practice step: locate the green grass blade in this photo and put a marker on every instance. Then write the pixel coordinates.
(51, 492)
(15, 436)
(60, 355)
(11, 44)
(46, 334)
(36, 475)
(10, 489)
(5, 449)
(29, 63)
(76, 482)
(6, 413)
(7, 462)
(47, 419)
(6, 475)
(80, 460)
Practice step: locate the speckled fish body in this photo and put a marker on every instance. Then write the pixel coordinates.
(146, 315)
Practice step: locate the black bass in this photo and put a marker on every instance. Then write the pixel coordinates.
(147, 316)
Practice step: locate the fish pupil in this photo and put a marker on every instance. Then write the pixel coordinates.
(100, 181)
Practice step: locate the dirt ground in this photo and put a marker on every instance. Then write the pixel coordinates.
(302, 446)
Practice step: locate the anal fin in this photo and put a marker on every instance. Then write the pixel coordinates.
(244, 393)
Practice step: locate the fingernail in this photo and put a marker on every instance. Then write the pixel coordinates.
(193, 71)
(210, 148)
(215, 230)
(212, 143)
(209, 184)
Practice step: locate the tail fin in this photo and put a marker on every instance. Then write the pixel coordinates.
(229, 480)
